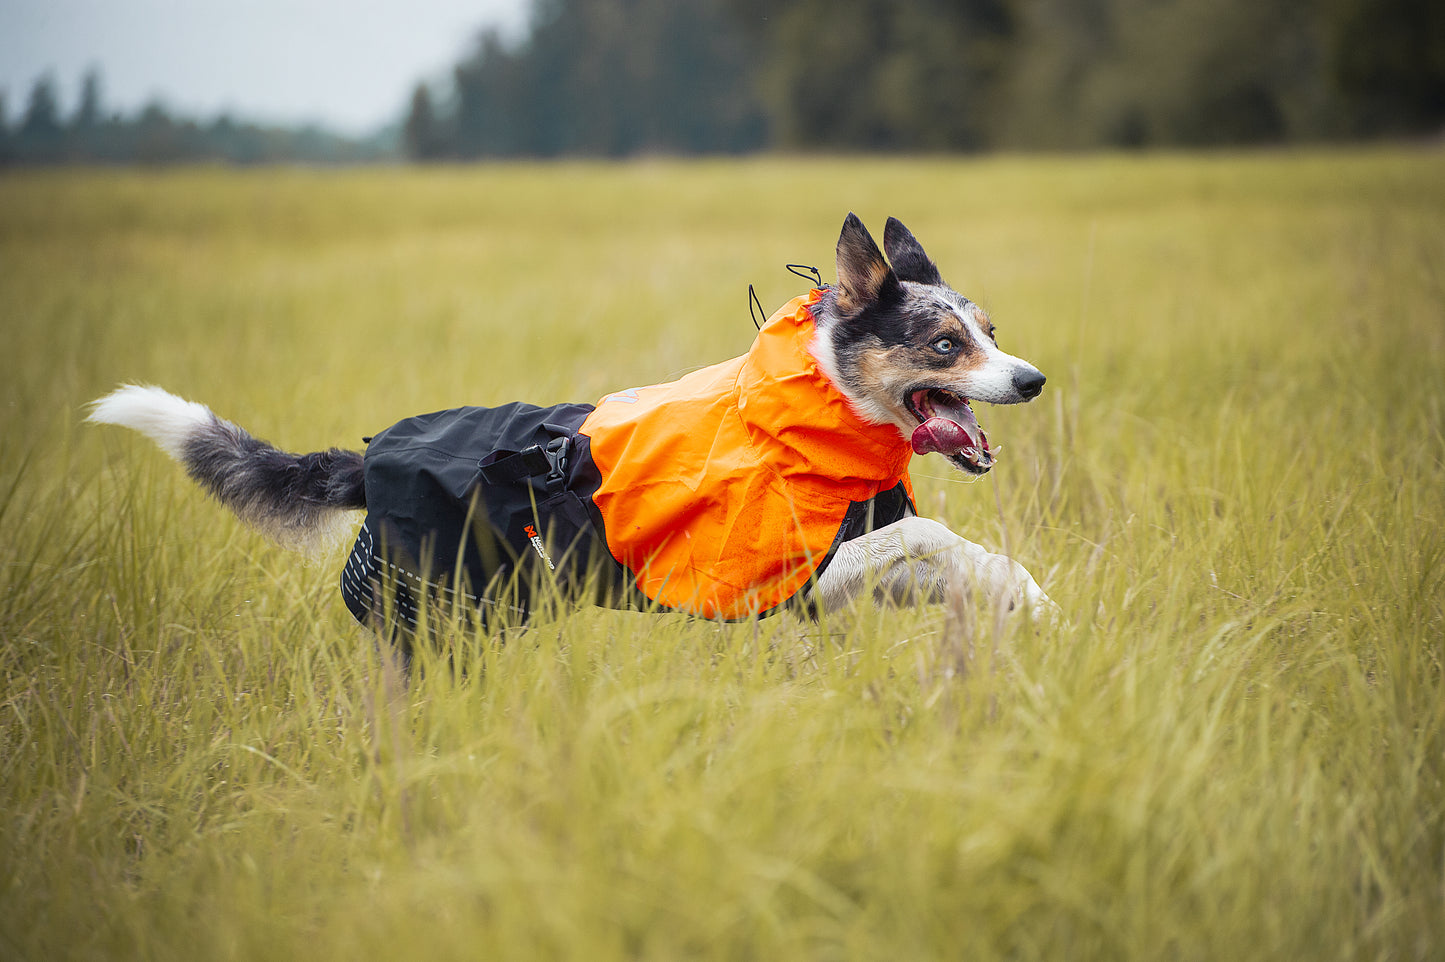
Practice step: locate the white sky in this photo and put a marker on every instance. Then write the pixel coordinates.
(350, 65)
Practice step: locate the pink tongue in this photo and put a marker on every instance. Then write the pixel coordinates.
(939, 434)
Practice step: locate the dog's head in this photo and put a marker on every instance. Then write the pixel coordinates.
(906, 349)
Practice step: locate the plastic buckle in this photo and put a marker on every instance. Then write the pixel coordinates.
(557, 451)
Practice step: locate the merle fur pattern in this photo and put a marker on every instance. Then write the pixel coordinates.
(881, 312)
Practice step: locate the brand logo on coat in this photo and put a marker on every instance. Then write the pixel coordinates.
(536, 541)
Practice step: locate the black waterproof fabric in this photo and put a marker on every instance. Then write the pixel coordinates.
(472, 500)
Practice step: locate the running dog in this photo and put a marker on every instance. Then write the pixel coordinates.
(777, 478)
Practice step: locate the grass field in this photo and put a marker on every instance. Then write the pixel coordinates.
(1234, 484)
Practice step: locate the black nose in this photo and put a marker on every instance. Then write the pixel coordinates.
(1029, 383)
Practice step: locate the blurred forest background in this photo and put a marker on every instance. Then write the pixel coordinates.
(617, 78)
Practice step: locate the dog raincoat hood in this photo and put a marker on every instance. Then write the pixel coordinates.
(724, 492)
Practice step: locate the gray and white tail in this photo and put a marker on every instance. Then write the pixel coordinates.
(299, 500)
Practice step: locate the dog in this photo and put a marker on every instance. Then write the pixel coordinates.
(776, 479)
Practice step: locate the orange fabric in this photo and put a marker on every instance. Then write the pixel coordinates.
(722, 491)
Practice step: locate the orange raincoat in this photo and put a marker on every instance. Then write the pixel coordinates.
(723, 492)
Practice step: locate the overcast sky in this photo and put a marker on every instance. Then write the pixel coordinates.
(351, 65)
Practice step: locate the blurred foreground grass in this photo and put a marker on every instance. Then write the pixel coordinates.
(1234, 483)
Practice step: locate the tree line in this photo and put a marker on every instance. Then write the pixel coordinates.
(621, 77)
(92, 134)
(614, 78)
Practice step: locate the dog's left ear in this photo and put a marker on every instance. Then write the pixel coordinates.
(907, 256)
(864, 277)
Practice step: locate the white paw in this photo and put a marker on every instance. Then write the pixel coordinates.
(1011, 583)
(1042, 609)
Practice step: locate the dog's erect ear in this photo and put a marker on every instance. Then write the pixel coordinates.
(906, 255)
(863, 275)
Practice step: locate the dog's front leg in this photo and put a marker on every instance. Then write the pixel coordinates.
(917, 561)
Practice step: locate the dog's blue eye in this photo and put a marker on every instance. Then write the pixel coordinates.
(944, 345)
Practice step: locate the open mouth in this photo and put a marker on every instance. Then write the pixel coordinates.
(946, 425)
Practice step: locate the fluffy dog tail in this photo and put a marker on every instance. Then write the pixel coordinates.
(298, 500)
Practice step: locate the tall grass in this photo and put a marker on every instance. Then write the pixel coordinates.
(1233, 484)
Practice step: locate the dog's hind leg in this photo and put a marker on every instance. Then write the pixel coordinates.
(918, 561)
